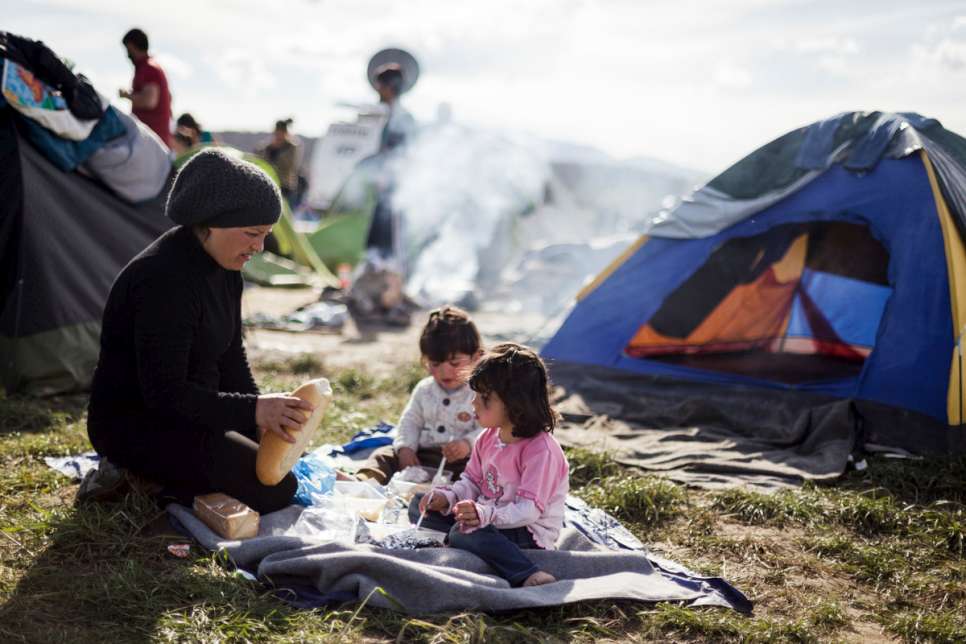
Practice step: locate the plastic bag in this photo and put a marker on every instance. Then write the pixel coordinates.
(325, 524)
(316, 478)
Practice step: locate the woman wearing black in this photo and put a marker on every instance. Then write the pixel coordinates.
(173, 398)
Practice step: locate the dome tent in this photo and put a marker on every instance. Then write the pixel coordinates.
(827, 265)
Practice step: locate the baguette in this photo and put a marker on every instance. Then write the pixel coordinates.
(276, 457)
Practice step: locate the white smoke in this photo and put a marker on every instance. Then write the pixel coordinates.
(512, 222)
(461, 193)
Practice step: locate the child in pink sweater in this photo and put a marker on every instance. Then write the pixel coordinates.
(511, 496)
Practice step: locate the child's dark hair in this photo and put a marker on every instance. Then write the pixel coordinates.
(449, 330)
(518, 376)
(188, 120)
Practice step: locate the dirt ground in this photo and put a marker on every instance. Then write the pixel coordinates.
(378, 350)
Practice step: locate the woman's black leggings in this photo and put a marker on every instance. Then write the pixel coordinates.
(193, 464)
(233, 472)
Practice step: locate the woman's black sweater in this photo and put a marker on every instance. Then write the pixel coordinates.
(172, 358)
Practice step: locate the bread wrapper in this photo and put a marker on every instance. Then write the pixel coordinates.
(226, 516)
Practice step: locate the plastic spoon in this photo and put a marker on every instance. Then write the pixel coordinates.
(429, 495)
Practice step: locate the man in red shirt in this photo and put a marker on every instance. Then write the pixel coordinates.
(149, 95)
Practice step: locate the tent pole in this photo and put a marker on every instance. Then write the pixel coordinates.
(960, 352)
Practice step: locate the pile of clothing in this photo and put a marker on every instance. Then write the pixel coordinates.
(74, 126)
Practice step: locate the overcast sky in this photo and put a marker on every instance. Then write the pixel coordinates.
(697, 83)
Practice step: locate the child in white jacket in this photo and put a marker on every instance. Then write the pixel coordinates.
(438, 420)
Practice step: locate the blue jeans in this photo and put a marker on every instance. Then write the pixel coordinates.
(501, 549)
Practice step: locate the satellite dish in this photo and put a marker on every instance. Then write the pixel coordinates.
(398, 57)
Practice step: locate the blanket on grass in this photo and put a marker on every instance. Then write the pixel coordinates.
(597, 558)
(434, 580)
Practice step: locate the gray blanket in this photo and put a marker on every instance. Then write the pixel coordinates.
(434, 580)
(705, 435)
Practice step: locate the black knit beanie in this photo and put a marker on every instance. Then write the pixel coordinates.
(217, 190)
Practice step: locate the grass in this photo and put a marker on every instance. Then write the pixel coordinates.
(646, 501)
(588, 467)
(756, 508)
(875, 563)
(879, 555)
(669, 621)
(947, 626)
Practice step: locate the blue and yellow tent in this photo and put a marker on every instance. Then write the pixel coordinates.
(830, 261)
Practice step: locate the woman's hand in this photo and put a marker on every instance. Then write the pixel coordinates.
(432, 501)
(407, 457)
(281, 413)
(456, 450)
(465, 514)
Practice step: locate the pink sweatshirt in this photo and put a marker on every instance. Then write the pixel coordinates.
(524, 483)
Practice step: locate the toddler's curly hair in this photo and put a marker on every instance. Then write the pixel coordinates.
(449, 330)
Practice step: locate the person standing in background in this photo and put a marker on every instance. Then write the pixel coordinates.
(149, 94)
(390, 83)
(282, 152)
(392, 73)
(377, 291)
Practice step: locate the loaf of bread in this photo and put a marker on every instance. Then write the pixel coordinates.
(226, 516)
(276, 457)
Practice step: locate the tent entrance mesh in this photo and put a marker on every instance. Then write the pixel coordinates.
(797, 303)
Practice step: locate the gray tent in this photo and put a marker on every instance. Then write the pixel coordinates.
(63, 240)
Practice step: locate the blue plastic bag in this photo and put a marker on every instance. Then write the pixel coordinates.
(315, 478)
(370, 438)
